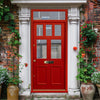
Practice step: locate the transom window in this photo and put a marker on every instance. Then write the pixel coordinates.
(49, 15)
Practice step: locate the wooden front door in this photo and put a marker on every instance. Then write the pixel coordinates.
(48, 55)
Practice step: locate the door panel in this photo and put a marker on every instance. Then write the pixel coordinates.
(42, 78)
(56, 75)
(49, 68)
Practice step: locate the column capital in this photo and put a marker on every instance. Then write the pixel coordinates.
(74, 19)
(24, 14)
(74, 16)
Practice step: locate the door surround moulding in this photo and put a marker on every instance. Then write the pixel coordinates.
(73, 40)
(49, 1)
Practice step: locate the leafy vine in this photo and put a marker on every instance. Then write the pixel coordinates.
(86, 56)
(6, 16)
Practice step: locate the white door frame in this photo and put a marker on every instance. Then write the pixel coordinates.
(73, 40)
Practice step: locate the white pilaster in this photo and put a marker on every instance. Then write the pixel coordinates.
(73, 41)
(24, 50)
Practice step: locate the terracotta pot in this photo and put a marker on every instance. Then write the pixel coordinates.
(0, 90)
(12, 92)
(98, 86)
(88, 91)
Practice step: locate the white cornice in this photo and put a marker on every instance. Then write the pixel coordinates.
(49, 1)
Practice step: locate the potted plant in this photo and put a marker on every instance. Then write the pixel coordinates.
(14, 79)
(86, 62)
(84, 75)
(13, 89)
(3, 77)
(95, 78)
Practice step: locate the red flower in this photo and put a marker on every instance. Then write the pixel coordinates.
(83, 55)
(80, 35)
(97, 37)
(84, 38)
(89, 22)
(75, 48)
(94, 64)
(26, 64)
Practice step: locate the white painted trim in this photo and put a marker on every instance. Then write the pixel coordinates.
(73, 40)
(69, 1)
(24, 50)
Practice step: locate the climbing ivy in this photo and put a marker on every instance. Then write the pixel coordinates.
(6, 16)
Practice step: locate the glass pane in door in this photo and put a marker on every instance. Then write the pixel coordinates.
(49, 15)
(39, 30)
(57, 30)
(48, 30)
(56, 49)
(41, 49)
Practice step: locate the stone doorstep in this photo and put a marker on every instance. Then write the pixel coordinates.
(49, 96)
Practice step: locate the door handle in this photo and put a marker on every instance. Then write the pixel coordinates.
(34, 60)
(48, 62)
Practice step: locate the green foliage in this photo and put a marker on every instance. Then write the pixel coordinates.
(3, 75)
(4, 88)
(86, 69)
(0, 30)
(89, 36)
(14, 80)
(86, 53)
(5, 13)
(85, 72)
(7, 16)
(95, 78)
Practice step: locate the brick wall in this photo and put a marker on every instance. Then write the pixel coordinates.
(5, 51)
(91, 11)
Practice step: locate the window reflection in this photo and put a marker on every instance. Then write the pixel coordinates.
(48, 30)
(41, 48)
(49, 15)
(55, 48)
(39, 30)
(57, 30)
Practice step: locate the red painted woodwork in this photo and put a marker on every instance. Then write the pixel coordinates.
(48, 76)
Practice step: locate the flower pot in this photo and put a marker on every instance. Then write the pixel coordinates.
(98, 86)
(0, 90)
(88, 91)
(12, 92)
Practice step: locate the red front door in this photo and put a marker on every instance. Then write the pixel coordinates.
(48, 55)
